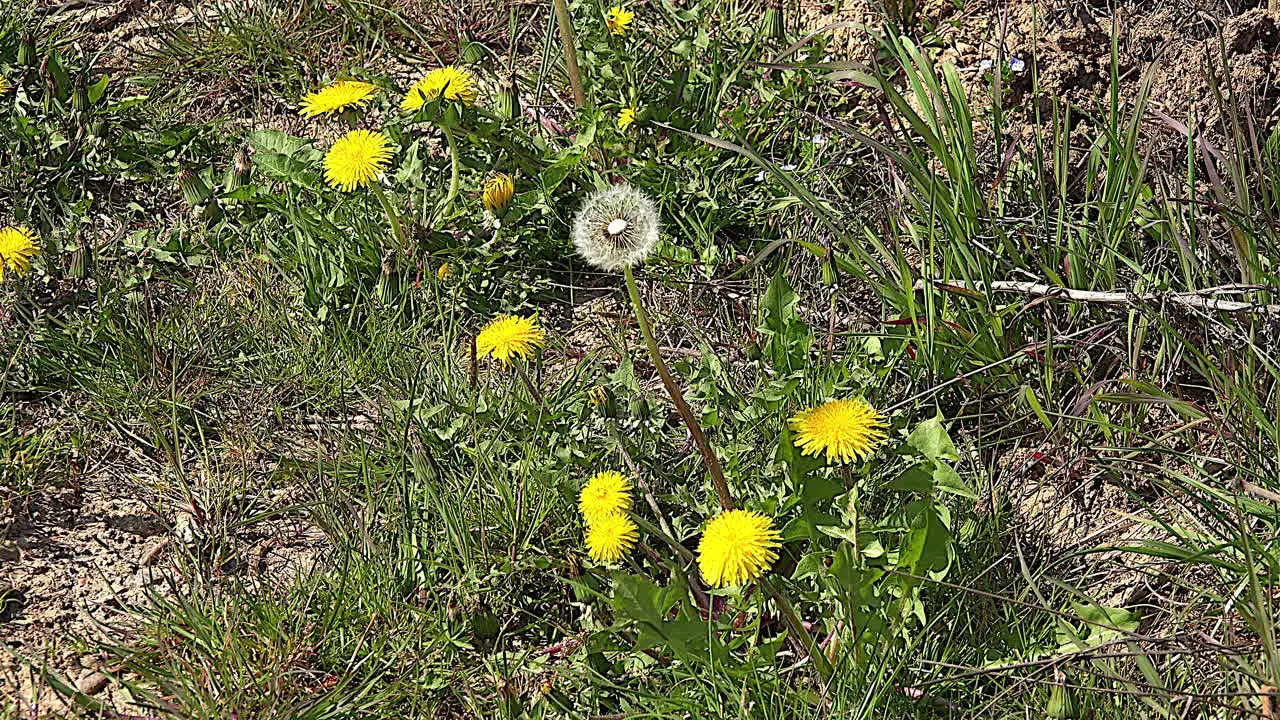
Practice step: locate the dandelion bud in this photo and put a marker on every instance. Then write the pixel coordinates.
(80, 96)
(1061, 706)
(27, 50)
(830, 273)
(638, 407)
(498, 192)
(508, 106)
(81, 258)
(237, 175)
(194, 189)
(388, 289)
(616, 228)
(774, 24)
(603, 399)
(472, 51)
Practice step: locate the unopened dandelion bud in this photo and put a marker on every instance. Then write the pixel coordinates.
(604, 401)
(616, 228)
(639, 407)
(1061, 706)
(81, 258)
(27, 50)
(238, 174)
(508, 105)
(774, 24)
(388, 289)
(498, 192)
(830, 274)
(472, 50)
(80, 96)
(194, 189)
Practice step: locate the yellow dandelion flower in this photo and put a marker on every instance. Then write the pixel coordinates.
(607, 493)
(336, 96)
(498, 192)
(598, 395)
(844, 429)
(737, 547)
(611, 537)
(357, 159)
(17, 247)
(509, 336)
(5, 85)
(453, 82)
(444, 271)
(626, 116)
(618, 18)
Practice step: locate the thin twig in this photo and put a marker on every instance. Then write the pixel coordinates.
(1202, 299)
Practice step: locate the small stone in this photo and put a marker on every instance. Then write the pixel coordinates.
(92, 683)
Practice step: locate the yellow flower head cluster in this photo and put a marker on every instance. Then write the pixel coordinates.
(618, 18)
(510, 336)
(498, 192)
(843, 429)
(452, 82)
(604, 502)
(357, 159)
(611, 537)
(17, 247)
(626, 116)
(737, 547)
(444, 271)
(607, 493)
(335, 97)
(598, 395)
(5, 85)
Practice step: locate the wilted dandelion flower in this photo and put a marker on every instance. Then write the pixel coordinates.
(626, 116)
(17, 247)
(5, 85)
(357, 159)
(737, 547)
(444, 271)
(336, 96)
(616, 228)
(618, 18)
(611, 537)
(607, 493)
(453, 82)
(509, 336)
(843, 429)
(498, 192)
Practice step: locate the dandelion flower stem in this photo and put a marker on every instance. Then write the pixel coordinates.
(447, 205)
(682, 407)
(570, 42)
(396, 227)
(533, 389)
(797, 628)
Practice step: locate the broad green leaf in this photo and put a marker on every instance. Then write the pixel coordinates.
(930, 439)
(946, 479)
(917, 478)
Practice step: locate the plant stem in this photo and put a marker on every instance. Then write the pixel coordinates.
(691, 572)
(533, 389)
(797, 628)
(396, 227)
(570, 42)
(453, 172)
(682, 407)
